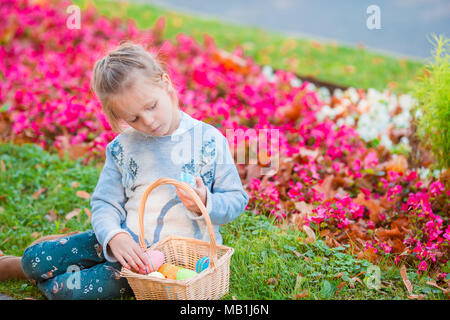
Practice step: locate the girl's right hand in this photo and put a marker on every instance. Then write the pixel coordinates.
(128, 252)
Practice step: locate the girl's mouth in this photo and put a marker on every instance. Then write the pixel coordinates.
(155, 130)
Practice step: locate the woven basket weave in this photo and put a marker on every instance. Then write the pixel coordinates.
(210, 284)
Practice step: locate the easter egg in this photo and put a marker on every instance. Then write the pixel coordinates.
(169, 271)
(156, 260)
(156, 274)
(186, 177)
(184, 274)
(202, 264)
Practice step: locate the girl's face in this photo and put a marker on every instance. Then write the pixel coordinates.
(148, 108)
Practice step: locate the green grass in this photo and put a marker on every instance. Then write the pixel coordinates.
(433, 94)
(269, 262)
(333, 62)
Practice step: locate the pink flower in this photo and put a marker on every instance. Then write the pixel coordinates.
(385, 247)
(396, 190)
(436, 188)
(422, 266)
(371, 160)
(411, 176)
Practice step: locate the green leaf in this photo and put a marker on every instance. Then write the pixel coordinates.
(327, 289)
(5, 107)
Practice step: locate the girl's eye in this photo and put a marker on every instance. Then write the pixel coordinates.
(153, 107)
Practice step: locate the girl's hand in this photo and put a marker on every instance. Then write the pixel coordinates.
(188, 201)
(128, 252)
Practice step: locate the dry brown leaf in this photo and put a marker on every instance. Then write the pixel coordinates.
(302, 295)
(331, 242)
(405, 279)
(326, 187)
(88, 213)
(339, 287)
(273, 280)
(253, 172)
(310, 233)
(397, 164)
(401, 223)
(298, 254)
(324, 233)
(75, 184)
(309, 153)
(304, 207)
(73, 213)
(349, 68)
(51, 216)
(368, 254)
(416, 297)
(74, 151)
(35, 235)
(372, 205)
(83, 194)
(385, 234)
(398, 246)
(434, 284)
(2, 166)
(38, 193)
(356, 279)
(298, 220)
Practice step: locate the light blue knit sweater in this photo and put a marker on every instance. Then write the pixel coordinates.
(135, 160)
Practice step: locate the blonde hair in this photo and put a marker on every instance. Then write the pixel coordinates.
(115, 73)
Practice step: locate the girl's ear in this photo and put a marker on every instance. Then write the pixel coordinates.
(168, 83)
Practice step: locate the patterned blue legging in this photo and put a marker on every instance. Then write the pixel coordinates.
(74, 268)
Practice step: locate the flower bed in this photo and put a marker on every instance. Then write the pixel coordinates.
(332, 176)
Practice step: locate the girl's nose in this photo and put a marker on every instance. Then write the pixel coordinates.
(148, 120)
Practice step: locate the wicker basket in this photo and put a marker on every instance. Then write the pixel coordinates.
(210, 284)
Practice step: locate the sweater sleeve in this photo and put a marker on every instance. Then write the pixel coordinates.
(107, 203)
(227, 198)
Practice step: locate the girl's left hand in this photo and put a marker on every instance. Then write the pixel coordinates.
(188, 201)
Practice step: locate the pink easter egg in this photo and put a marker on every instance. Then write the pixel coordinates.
(156, 260)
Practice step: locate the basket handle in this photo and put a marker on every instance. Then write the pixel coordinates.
(186, 187)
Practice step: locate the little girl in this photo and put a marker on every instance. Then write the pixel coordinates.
(161, 142)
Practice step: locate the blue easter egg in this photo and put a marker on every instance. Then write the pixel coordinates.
(202, 264)
(186, 177)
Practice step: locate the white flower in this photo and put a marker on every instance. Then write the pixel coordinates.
(353, 94)
(419, 113)
(267, 71)
(386, 141)
(423, 173)
(338, 93)
(311, 87)
(296, 82)
(324, 94)
(404, 140)
(436, 173)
